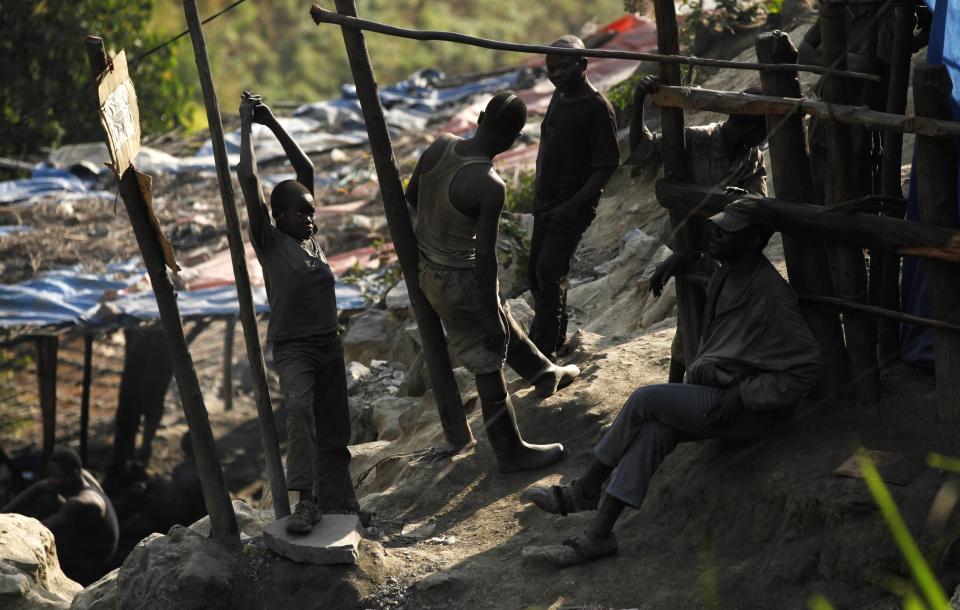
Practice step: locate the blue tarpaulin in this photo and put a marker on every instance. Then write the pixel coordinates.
(944, 48)
(69, 296)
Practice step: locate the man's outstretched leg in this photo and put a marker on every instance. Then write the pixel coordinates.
(524, 358)
(500, 422)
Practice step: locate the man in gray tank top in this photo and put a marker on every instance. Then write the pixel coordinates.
(458, 198)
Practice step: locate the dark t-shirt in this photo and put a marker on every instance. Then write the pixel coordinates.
(575, 138)
(300, 286)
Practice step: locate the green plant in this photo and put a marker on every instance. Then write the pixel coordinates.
(621, 97)
(521, 192)
(45, 62)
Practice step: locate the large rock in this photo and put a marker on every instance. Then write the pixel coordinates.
(386, 415)
(379, 334)
(30, 575)
(334, 540)
(181, 570)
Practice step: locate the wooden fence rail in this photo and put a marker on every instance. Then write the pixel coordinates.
(728, 102)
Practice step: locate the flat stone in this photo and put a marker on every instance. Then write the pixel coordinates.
(333, 540)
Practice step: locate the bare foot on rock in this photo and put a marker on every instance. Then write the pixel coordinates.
(555, 378)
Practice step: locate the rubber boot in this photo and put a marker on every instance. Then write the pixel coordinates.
(512, 452)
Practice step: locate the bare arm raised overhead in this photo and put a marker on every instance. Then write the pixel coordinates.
(247, 172)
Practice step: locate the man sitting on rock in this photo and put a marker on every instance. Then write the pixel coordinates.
(756, 359)
(77, 511)
(303, 328)
(457, 197)
(725, 154)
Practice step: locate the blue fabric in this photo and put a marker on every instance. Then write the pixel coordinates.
(944, 48)
(69, 296)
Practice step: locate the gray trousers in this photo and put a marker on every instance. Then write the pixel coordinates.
(651, 423)
(314, 384)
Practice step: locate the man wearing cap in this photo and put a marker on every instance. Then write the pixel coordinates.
(756, 359)
(724, 154)
(578, 155)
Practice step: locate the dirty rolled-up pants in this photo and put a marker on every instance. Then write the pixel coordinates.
(552, 246)
(314, 383)
(651, 423)
(455, 295)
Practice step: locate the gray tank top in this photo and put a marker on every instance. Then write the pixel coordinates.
(445, 235)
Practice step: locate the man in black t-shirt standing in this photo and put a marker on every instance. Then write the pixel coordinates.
(578, 154)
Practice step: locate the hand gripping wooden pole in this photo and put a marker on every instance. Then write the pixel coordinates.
(452, 414)
(223, 521)
(248, 316)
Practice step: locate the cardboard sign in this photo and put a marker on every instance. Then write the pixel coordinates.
(119, 114)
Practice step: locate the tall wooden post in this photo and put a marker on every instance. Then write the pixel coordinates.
(452, 415)
(47, 384)
(85, 395)
(849, 269)
(226, 387)
(689, 297)
(223, 521)
(937, 191)
(792, 179)
(248, 316)
(888, 331)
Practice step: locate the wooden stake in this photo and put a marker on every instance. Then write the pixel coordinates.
(85, 395)
(806, 259)
(888, 331)
(321, 15)
(813, 221)
(452, 414)
(223, 521)
(47, 383)
(226, 389)
(936, 164)
(731, 102)
(689, 297)
(848, 267)
(248, 316)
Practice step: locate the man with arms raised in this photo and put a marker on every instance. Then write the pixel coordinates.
(303, 328)
(457, 197)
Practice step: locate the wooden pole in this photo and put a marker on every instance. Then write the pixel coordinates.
(47, 384)
(226, 389)
(888, 331)
(855, 229)
(937, 191)
(450, 405)
(848, 267)
(806, 259)
(85, 395)
(248, 316)
(321, 15)
(731, 102)
(223, 521)
(683, 231)
(879, 312)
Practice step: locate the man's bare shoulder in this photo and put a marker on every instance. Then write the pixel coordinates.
(432, 155)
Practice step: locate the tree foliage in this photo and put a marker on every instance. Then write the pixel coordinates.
(274, 47)
(46, 62)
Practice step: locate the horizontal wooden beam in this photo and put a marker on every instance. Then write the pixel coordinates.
(727, 102)
(879, 312)
(322, 15)
(814, 221)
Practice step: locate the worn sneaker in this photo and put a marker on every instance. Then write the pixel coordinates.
(304, 517)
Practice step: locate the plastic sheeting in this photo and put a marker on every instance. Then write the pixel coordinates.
(944, 48)
(61, 185)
